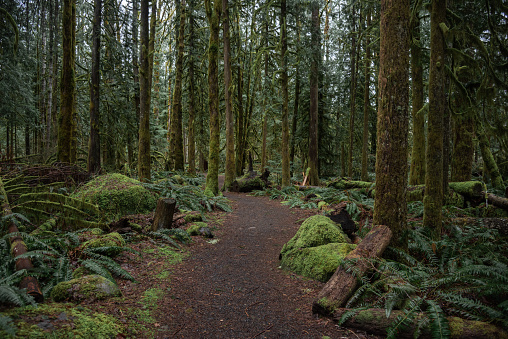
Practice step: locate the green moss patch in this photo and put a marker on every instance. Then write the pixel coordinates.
(54, 320)
(318, 262)
(315, 231)
(89, 287)
(195, 227)
(112, 239)
(117, 195)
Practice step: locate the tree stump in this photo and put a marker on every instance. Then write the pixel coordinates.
(164, 213)
(343, 284)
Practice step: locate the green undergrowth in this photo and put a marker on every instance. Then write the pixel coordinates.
(464, 274)
(143, 314)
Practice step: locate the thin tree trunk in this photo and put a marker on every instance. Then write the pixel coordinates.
(352, 99)
(313, 124)
(286, 175)
(366, 109)
(230, 123)
(191, 157)
(144, 116)
(212, 178)
(392, 122)
(433, 199)
(94, 146)
(297, 94)
(176, 134)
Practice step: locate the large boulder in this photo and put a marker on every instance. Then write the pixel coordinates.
(315, 231)
(118, 195)
(88, 287)
(318, 263)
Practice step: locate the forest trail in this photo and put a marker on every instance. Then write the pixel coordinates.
(235, 288)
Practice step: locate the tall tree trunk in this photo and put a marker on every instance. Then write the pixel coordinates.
(366, 108)
(433, 199)
(68, 85)
(74, 120)
(352, 98)
(135, 71)
(297, 93)
(144, 89)
(176, 134)
(463, 150)
(286, 175)
(212, 178)
(94, 143)
(230, 122)
(266, 84)
(313, 124)
(392, 121)
(488, 158)
(191, 157)
(417, 170)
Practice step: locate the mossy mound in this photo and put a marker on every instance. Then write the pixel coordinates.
(117, 195)
(55, 320)
(193, 217)
(315, 231)
(112, 239)
(88, 287)
(194, 229)
(318, 263)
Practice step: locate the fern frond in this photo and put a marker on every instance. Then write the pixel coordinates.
(97, 268)
(14, 295)
(7, 326)
(164, 237)
(439, 324)
(402, 321)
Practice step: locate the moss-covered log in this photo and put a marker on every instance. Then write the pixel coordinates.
(374, 321)
(18, 247)
(250, 182)
(500, 224)
(342, 284)
(344, 183)
(499, 202)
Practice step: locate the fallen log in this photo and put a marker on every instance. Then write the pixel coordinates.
(345, 183)
(250, 182)
(500, 224)
(497, 201)
(374, 321)
(164, 214)
(343, 284)
(18, 247)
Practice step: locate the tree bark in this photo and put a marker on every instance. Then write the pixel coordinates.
(191, 157)
(433, 200)
(164, 211)
(488, 158)
(314, 96)
(286, 175)
(212, 178)
(393, 120)
(230, 122)
(176, 132)
(352, 103)
(94, 145)
(144, 118)
(343, 284)
(366, 108)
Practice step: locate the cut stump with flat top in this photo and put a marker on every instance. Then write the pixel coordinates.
(343, 284)
(164, 214)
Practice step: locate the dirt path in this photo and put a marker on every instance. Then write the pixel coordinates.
(235, 288)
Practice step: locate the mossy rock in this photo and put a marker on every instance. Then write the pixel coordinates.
(88, 287)
(318, 263)
(112, 239)
(316, 231)
(193, 218)
(194, 229)
(178, 179)
(80, 272)
(117, 195)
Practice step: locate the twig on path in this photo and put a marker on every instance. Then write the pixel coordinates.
(259, 302)
(263, 331)
(181, 328)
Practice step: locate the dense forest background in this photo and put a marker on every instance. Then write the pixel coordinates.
(74, 76)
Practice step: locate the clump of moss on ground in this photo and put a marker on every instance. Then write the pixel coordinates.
(117, 195)
(62, 320)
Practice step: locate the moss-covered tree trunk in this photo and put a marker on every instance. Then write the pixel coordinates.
(390, 207)
(213, 14)
(144, 100)
(286, 175)
(463, 150)
(297, 93)
(230, 122)
(94, 142)
(266, 95)
(488, 158)
(352, 97)
(191, 157)
(433, 199)
(135, 72)
(67, 84)
(176, 134)
(314, 96)
(417, 170)
(366, 108)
